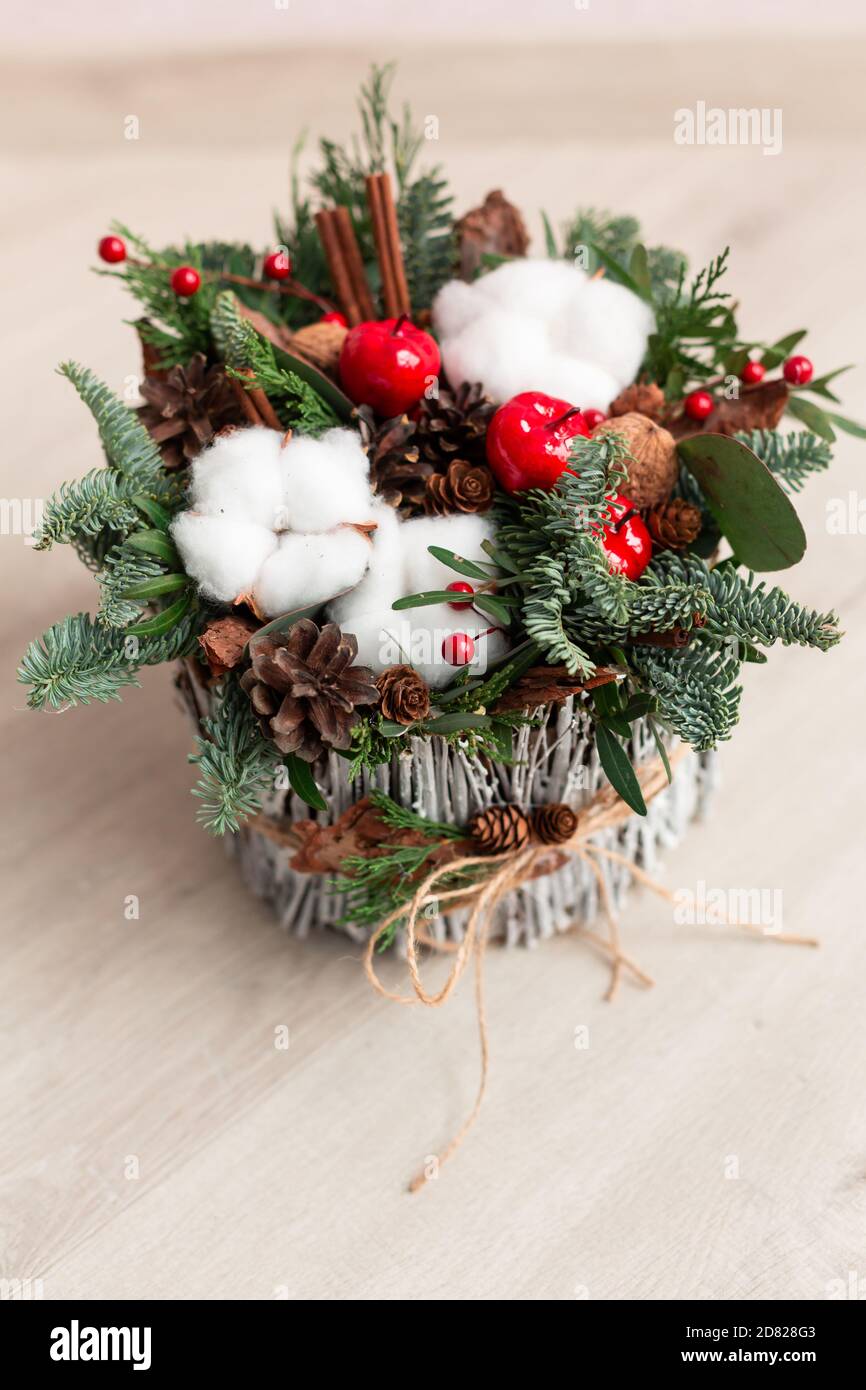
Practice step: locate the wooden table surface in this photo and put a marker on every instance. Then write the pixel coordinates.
(155, 1142)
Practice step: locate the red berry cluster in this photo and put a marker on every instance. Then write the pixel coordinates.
(185, 279)
(797, 371)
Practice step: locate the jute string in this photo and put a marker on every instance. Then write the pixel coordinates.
(502, 874)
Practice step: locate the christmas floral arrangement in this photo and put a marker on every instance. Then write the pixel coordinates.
(398, 492)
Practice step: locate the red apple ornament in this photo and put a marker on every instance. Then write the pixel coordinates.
(626, 541)
(529, 440)
(388, 364)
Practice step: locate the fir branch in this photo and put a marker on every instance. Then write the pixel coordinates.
(425, 218)
(236, 763)
(77, 661)
(696, 690)
(793, 458)
(122, 568)
(100, 501)
(128, 446)
(740, 608)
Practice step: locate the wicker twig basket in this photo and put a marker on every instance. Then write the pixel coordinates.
(556, 762)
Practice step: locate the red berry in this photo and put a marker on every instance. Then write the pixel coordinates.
(185, 281)
(698, 405)
(626, 541)
(529, 440)
(335, 317)
(458, 649)
(112, 249)
(593, 418)
(277, 266)
(388, 364)
(797, 371)
(752, 373)
(460, 587)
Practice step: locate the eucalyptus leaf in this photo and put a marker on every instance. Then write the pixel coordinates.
(615, 270)
(777, 353)
(430, 596)
(747, 502)
(638, 268)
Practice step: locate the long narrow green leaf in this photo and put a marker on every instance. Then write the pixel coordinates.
(618, 769)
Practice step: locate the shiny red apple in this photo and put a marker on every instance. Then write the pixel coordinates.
(625, 540)
(388, 364)
(529, 440)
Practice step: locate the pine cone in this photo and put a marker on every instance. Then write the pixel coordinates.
(646, 400)
(554, 824)
(185, 408)
(494, 228)
(675, 524)
(499, 829)
(454, 425)
(305, 689)
(462, 489)
(396, 472)
(405, 695)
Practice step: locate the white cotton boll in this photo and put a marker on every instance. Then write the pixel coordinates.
(325, 482)
(384, 580)
(222, 554)
(535, 325)
(380, 633)
(507, 352)
(607, 325)
(580, 383)
(239, 477)
(459, 533)
(532, 288)
(304, 570)
(416, 636)
(455, 305)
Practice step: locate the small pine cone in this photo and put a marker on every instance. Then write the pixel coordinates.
(397, 472)
(405, 694)
(646, 400)
(462, 489)
(499, 829)
(675, 525)
(554, 824)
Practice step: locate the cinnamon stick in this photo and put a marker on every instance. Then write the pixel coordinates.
(255, 404)
(352, 258)
(244, 401)
(389, 253)
(337, 267)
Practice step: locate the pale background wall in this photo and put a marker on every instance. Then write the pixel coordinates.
(263, 1172)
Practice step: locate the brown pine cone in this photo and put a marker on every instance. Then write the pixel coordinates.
(494, 228)
(185, 408)
(554, 824)
(462, 489)
(405, 695)
(646, 400)
(454, 425)
(499, 829)
(397, 472)
(304, 688)
(675, 524)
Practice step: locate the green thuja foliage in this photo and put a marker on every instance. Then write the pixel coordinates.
(244, 350)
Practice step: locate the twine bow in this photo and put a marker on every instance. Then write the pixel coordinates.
(505, 872)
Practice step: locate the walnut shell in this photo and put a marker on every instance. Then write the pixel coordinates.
(321, 344)
(652, 467)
